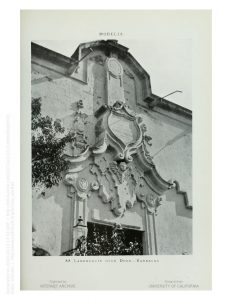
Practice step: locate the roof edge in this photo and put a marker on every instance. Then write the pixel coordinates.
(153, 101)
(43, 52)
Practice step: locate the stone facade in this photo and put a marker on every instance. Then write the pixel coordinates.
(132, 160)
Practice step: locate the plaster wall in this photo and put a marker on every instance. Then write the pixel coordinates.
(171, 148)
(174, 227)
(52, 216)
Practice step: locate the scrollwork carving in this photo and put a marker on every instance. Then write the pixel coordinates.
(104, 195)
(117, 155)
(150, 201)
(71, 180)
(94, 186)
(82, 184)
(76, 185)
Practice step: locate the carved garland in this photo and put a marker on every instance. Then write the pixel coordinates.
(119, 171)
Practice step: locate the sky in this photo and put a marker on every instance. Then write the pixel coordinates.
(167, 61)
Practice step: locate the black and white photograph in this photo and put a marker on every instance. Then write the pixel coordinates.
(111, 160)
(115, 150)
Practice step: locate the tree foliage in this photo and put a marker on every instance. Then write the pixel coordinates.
(48, 143)
(106, 241)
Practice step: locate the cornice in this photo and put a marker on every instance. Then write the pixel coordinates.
(149, 100)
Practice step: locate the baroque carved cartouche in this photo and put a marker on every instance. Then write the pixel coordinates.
(118, 169)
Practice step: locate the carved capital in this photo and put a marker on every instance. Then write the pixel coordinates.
(71, 180)
(82, 184)
(150, 201)
(77, 185)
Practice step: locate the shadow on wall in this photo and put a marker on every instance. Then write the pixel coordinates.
(183, 208)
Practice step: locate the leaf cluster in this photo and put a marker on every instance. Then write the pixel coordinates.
(106, 241)
(48, 141)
